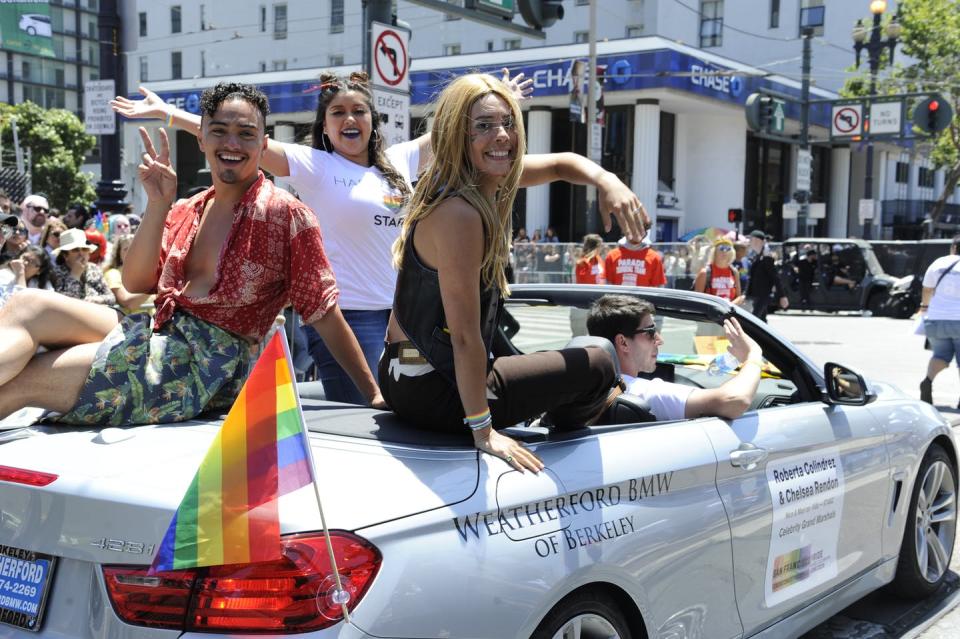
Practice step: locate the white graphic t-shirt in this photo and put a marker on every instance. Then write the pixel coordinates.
(360, 217)
(945, 303)
(667, 401)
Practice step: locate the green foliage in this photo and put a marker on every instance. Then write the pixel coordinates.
(58, 145)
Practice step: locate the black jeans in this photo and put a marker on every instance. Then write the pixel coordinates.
(571, 385)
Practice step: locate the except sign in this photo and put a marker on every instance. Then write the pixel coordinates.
(394, 111)
(886, 117)
(98, 117)
(391, 57)
(847, 120)
(866, 210)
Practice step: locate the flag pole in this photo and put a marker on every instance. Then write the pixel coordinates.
(340, 596)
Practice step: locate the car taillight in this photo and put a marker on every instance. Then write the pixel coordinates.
(292, 594)
(24, 476)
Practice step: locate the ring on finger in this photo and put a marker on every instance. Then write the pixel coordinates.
(509, 458)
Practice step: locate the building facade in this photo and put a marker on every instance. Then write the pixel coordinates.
(677, 75)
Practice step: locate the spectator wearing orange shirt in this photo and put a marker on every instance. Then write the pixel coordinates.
(590, 266)
(635, 265)
(720, 277)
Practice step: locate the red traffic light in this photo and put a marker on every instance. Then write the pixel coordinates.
(933, 105)
(734, 216)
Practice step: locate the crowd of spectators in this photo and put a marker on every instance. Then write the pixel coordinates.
(65, 253)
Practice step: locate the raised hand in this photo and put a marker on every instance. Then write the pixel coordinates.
(151, 106)
(520, 88)
(155, 172)
(742, 346)
(616, 199)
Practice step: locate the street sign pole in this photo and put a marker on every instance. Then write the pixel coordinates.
(804, 189)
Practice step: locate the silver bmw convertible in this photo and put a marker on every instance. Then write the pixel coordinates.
(829, 487)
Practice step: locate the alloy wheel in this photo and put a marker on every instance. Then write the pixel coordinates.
(936, 521)
(587, 626)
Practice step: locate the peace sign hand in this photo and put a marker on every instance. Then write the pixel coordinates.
(156, 173)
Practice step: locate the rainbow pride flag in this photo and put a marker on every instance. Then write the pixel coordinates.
(229, 514)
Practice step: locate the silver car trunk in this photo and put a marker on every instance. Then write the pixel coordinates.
(117, 489)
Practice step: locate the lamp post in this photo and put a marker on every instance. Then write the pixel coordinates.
(871, 39)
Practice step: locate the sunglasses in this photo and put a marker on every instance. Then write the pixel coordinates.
(21, 231)
(724, 247)
(649, 331)
(55, 234)
(484, 127)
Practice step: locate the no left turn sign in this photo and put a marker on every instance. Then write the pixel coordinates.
(391, 58)
(847, 120)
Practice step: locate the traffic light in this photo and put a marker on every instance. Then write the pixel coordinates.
(734, 216)
(933, 114)
(759, 111)
(540, 14)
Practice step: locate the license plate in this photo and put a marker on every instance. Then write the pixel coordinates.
(25, 578)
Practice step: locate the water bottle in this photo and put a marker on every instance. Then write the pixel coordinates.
(723, 364)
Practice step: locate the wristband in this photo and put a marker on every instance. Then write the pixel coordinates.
(170, 120)
(475, 426)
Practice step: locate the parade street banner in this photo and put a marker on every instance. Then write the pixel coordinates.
(26, 27)
(807, 494)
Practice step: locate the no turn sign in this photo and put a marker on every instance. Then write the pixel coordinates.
(391, 58)
(846, 120)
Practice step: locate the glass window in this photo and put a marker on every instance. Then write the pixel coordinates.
(489, 45)
(203, 63)
(263, 18)
(279, 65)
(336, 16)
(175, 23)
(335, 60)
(774, 14)
(810, 4)
(711, 23)
(144, 75)
(279, 22)
(176, 65)
(511, 43)
(451, 49)
(903, 173)
(581, 36)
(665, 163)
(634, 30)
(143, 24)
(203, 18)
(925, 177)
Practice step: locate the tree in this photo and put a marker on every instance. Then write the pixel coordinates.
(931, 41)
(57, 144)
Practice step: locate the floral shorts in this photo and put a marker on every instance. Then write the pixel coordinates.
(141, 376)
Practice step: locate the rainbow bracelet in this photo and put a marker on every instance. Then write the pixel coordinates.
(478, 421)
(170, 120)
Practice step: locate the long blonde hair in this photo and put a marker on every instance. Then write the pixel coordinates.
(451, 172)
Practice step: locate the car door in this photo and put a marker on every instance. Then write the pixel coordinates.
(805, 488)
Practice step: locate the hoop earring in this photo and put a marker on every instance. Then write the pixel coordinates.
(323, 142)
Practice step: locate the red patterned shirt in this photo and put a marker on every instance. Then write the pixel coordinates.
(272, 255)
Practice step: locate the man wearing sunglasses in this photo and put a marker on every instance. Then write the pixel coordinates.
(628, 322)
(34, 211)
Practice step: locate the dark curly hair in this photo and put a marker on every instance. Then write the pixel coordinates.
(330, 85)
(211, 99)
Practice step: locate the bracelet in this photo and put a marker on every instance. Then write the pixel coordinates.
(923, 306)
(170, 120)
(475, 426)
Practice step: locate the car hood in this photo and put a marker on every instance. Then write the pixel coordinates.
(116, 489)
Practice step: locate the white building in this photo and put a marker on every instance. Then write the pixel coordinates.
(678, 74)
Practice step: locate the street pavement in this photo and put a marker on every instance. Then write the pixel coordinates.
(884, 349)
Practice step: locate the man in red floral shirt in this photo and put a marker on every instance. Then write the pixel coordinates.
(222, 263)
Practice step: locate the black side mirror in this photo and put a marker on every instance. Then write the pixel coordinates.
(845, 387)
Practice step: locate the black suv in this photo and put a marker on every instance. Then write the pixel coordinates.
(845, 277)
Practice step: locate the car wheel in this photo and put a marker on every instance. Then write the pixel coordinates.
(875, 303)
(931, 528)
(31, 31)
(584, 615)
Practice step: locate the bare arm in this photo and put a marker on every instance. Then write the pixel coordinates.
(700, 284)
(159, 180)
(731, 399)
(128, 300)
(453, 233)
(615, 198)
(343, 345)
(153, 107)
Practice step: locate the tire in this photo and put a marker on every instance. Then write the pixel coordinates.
(875, 303)
(931, 528)
(31, 31)
(584, 615)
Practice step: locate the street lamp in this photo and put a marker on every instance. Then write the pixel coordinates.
(871, 38)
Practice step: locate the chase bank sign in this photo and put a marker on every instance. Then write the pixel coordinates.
(710, 77)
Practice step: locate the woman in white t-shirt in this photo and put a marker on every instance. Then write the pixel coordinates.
(940, 306)
(357, 188)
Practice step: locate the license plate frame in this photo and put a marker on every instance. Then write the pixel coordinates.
(18, 574)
